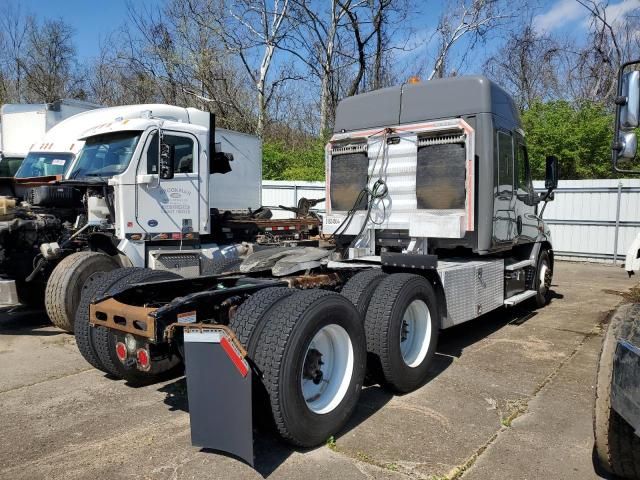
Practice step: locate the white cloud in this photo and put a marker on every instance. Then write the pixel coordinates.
(617, 11)
(568, 12)
(560, 14)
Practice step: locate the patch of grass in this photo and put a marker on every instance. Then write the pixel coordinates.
(363, 457)
(633, 295)
(331, 443)
(392, 466)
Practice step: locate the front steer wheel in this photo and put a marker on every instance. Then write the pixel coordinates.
(64, 287)
(617, 447)
(312, 357)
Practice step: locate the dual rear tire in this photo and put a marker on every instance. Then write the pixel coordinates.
(308, 348)
(98, 344)
(402, 323)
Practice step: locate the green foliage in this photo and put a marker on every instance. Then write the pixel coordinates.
(282, 162)
(579, 134)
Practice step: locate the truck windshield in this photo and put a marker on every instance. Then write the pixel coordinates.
(41, 164)
(105, 155)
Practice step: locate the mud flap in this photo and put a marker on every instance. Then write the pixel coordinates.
(625, 384)
(219, 392)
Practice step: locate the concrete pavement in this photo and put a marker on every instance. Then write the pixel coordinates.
(510, 397)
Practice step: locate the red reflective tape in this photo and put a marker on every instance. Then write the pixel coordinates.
(234, 357)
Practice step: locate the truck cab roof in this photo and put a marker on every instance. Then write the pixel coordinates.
(432, 100)
(141, 124)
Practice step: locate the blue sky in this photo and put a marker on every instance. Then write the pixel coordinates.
(94, 20)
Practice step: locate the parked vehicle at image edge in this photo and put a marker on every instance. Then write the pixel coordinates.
(24, 227)
(432, 219)
(23, 126)
(616, 419)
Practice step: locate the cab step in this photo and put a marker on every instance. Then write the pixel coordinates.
(520, 297)
(522, 264)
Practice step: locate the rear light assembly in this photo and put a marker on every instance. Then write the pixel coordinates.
(144, 361)
(121, 351)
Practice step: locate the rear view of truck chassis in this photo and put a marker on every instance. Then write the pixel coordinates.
(424, 240)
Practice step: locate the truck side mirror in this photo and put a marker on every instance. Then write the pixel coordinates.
(625, 141)
(551, 173)
(629, 100)
(627, 145)
(220, 161)
(165, 159)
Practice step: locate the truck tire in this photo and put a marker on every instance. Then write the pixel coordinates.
(359, 289)
(253, 314)
(544, 274)
(105, 340)
(617, 447)
(402, 326)
(312, 356)
(85, 334)
(64, 286)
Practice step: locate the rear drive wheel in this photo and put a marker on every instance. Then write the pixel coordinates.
(359, 289)
(105, 340)
(312, 357)
(252, 315)
(85, 334)
(64, 287)
(402, 327)
(617, 447)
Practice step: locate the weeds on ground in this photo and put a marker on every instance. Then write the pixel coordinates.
(331, 443)
(633, 295)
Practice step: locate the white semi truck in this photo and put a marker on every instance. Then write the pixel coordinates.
(109, 212)
(431, 221)
(25, 125)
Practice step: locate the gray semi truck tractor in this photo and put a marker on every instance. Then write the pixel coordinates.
(431, 221)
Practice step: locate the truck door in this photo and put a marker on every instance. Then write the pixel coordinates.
(504, 216)
(526, 219)
(171, 205)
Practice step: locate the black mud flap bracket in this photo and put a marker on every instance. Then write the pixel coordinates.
(219, 391)
(625, 383)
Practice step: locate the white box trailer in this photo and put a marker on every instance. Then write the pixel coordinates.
(24, 125)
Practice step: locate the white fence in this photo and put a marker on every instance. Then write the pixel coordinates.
(589, 219)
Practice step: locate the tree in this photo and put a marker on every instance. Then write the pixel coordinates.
(49, 62)
(253, 30)
(13, 27)
(578, 133)
(315, 43)
(527, 65)
(468, 18)
(612, 39)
